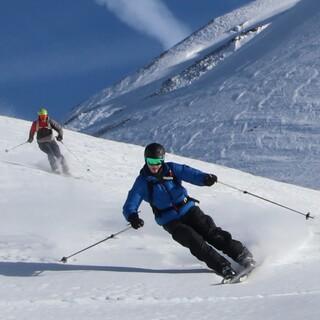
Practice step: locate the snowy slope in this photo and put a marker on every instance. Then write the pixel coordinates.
(242, 92)
(142, 274)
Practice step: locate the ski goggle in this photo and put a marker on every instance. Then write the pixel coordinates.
(154, 161)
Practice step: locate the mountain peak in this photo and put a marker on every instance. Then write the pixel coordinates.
(241, 92)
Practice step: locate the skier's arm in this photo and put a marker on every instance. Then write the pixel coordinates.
(134, 199)
(56, 126)
(32, 132)
(192, 175)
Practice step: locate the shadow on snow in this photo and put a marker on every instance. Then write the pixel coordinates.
(29, 269)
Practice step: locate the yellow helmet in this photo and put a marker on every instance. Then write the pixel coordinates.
(42, 112)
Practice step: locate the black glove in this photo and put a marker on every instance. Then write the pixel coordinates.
(59, 138)
(30, 140)
(135, 221)
(210, 179)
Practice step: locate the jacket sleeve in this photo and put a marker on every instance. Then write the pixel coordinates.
(188, 174)
(134, 198)
(56, 126)
(32, 130)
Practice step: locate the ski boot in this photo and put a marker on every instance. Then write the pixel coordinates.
(245, 259)
(228, 274)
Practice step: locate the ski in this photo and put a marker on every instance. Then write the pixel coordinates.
(240, 277)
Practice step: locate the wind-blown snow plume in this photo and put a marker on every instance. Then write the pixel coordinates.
(151, 17)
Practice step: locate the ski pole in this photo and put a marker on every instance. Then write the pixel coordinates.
(74, 155)
(64, 259)
(17, 146)
(307, 215)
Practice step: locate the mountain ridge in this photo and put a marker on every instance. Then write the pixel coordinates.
(257, 110)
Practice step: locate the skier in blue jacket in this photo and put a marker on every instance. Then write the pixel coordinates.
(160, 184)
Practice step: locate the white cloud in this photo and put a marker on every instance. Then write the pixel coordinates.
(151, 17)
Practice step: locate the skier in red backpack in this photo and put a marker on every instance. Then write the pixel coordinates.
(43, 127)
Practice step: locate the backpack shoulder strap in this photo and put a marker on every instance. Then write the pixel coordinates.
(49, 126)
(150, 191)
(171, 176)
(149, 185)
(38, 125)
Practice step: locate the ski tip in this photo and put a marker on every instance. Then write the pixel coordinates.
(64, 259)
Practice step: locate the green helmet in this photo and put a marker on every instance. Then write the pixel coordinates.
(43, 111)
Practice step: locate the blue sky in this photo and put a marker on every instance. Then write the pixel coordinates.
(59, 53)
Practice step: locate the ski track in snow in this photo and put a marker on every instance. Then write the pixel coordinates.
(131, 299)
(298, 95)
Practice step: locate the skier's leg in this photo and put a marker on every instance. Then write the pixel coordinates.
(64, 165)
(58, 155)
(45, 147)
(217, 237)
(55, 149)
(189, 238)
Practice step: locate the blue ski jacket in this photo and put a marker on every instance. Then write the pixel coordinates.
(166, 195)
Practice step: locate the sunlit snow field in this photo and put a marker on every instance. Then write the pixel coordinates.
(142, 274)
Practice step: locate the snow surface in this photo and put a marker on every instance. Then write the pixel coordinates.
(142, 274)
(250, 103)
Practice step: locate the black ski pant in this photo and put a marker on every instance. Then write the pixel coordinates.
(198, 232)
(52, 149)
